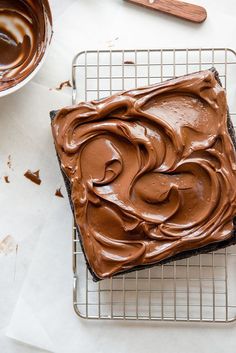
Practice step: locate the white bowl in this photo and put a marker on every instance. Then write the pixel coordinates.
(38, 66)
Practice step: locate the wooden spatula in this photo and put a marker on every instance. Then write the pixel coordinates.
(176, 8)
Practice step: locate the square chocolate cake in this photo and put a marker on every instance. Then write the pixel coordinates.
(150, 172)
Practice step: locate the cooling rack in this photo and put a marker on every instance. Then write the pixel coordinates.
(201, 288)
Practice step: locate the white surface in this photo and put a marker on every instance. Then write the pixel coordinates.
(43, 315)
(50, 322)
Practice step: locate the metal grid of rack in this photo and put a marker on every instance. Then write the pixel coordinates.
(201, 288)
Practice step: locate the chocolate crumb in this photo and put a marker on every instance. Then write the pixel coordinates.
(9, 162)
(58, 193)
(33, 176)
(6, 178)
(129, 62)
(63, 85)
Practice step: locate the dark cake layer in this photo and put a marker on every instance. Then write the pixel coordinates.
(150, 173)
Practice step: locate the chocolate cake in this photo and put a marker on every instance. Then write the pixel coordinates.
(150, 173)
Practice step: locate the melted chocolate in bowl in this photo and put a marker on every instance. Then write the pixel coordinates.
(25, 31)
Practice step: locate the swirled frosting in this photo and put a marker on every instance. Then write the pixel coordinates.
(152, 172)
(24, 34)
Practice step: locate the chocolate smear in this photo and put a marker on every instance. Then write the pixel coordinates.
(63, 85)
(129, 62)
(7, 245)
(9, 162)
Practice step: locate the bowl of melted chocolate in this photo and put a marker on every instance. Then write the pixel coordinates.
(25, 35)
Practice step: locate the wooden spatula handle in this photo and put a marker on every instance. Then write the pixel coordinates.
(176, 8)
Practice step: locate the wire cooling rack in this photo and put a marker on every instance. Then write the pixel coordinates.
(201, 288)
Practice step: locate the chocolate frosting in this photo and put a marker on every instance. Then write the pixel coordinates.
(24, 34)
(152, 172)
